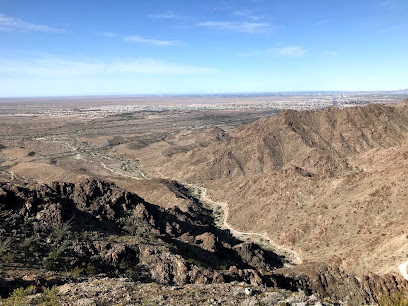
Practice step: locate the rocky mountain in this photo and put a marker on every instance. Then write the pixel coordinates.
(96, 224)
(330, 184)
(316, 142)
(70, 233)
(94, 232)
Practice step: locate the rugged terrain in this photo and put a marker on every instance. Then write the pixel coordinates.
(331, 184)
(59, 234)
(183, 207)
(93, 231)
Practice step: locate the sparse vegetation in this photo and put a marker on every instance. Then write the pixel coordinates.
(49, 297)
(17, 296)
(5, 245)
(394, 299)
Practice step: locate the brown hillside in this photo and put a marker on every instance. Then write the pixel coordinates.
(318, 142)
(332, 184)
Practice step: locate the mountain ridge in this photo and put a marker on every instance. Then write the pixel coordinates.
(315, 181)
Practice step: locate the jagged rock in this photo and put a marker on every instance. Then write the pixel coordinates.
(93, 226)
(256, 257)
(186, 237)
(207, 241)
(342, 286)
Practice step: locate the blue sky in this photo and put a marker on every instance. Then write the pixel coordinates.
(54, 48)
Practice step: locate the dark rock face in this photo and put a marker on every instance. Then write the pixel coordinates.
(340, 286)
(256, 257)
(94, 227)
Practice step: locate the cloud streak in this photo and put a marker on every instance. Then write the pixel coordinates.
(66, 68)
(284, 51)
(246, 27)
(10, 24)
(168, 15)
(151, 41)
(245, 14)
(287, 51)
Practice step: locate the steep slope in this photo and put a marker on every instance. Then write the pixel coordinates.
(331, 184)
(69, 226)
(317, 141)
(92, 234)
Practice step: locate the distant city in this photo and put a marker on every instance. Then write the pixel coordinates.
(100, 107)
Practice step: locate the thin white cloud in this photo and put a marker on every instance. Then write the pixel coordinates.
(109, 34)
(246, 27)
(66, 68)
(151, 41)
(284, 51)
(168, 15)
(10, 24)
(246, 14)
(287, 51)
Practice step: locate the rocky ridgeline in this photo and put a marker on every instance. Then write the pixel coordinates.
(94, 227)
(68, 233)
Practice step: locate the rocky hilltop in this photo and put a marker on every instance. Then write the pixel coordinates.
(94, 234)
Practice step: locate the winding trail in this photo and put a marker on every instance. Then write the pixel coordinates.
(78, 156)
(123, 174)
(292, 255)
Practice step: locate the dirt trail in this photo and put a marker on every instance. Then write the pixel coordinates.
(292, 255)
(123, 174)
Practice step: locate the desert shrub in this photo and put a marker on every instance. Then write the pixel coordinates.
(28, 244)
(77, 271)
(61, 230)
(8, 257)
(54, 254)
(49, 297)
(58, 251)
(394, 299)
(17, 296)
(90, 269)
(5, 245)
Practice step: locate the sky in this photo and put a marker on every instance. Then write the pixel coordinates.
(100, 47)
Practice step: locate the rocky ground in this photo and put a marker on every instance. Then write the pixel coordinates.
(99, 244)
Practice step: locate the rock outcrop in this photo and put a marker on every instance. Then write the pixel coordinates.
(64, 232)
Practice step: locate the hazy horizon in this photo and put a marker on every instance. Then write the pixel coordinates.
(215, 94)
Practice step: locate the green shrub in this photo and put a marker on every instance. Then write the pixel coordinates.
(90, 269)
(50, 297)
(393, 299)
(77, 271)
(17, 296)
(5, 245)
